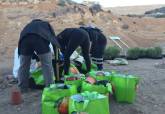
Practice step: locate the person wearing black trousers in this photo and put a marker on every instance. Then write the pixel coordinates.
(36, 37)
(98, 41)
(70, 39)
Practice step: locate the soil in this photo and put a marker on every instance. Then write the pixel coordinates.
(150, 94)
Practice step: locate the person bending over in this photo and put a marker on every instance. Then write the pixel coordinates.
(98, 45)
(36, 37)
(70, 39)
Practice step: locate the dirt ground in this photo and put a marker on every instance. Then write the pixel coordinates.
(150, 96)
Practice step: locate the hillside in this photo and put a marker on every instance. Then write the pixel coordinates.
(138, 10)
(143, 32)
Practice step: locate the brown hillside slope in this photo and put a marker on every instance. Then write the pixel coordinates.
(144, 32)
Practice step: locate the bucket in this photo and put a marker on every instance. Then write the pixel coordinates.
(16, 97)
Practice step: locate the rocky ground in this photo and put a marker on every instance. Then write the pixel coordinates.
(150, 95)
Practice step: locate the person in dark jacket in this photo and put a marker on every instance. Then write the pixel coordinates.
(70, 39)
(36, 37)
(98, 44)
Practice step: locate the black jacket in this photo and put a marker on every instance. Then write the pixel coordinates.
(64, 37)
(96, 37)
(70, 39)
(41, 28)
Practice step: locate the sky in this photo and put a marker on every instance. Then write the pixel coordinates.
(114, 3)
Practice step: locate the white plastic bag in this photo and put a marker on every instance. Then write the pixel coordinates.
(76, 57)
(17, 64)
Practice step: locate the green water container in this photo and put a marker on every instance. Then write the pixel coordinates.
(125, 87)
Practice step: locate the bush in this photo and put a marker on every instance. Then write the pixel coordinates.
(150, 52)
(95, 8)
(154, 53)
(70, 2)
(142, 53)
(81, 23)
(111, 52)
(133, 53)
(159, 51)
(62, 3)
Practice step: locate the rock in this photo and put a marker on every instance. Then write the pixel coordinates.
(36, 1)
(155, 105)
(125, 26)
(120, 19)
(19, 108)
(109, 11)
(95, 9)
(19, 24)
(134, 22)
(23, 3)
(115, 21)
(30, 1)
(5, 3)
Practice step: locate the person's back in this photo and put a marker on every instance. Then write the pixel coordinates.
(41, 28)
(70, 39)
(63, 38)
(36, 37)
(98, 44)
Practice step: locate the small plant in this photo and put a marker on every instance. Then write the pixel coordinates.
(155, 52)
(158, 51)
(62, 3)
(69, 2)
(142, 53)
(120, 19)
(150, 52)
(133, 53)
(81, 23)
(111, 52)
